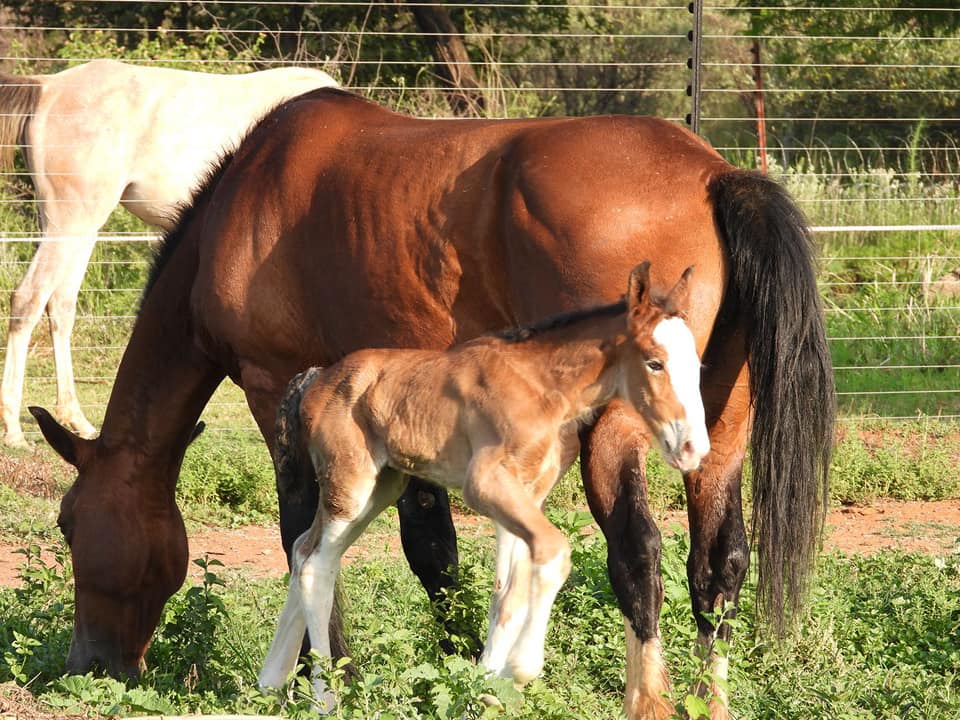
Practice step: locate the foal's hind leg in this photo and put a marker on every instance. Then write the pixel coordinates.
(614, 476)
(329, 539)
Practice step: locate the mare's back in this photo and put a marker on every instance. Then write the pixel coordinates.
(376, 229)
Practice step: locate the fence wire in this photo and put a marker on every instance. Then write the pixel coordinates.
(889, 170)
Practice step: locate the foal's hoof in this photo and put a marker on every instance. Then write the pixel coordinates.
(489, 700)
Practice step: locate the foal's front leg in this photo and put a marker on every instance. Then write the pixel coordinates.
(511, 596)
(490, 489)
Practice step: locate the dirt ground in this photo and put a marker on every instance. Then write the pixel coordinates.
(926, 527)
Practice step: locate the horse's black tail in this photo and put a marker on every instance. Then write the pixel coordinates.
(297, 487)
(772, 282)
(19, 97)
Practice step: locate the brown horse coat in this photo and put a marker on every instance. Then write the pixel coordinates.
(339, 225)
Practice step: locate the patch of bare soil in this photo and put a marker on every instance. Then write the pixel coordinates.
(17, 702)
(932, 528)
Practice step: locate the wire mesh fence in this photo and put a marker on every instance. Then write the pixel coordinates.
(854, 108)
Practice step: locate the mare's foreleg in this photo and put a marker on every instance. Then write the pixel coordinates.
(614, 475)
(719, 551)
(430, 544)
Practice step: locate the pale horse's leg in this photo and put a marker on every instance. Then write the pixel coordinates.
(57, 267)
(490, 489)
(73, 206)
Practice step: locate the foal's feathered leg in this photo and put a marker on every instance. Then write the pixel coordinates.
(329, 538)
(511, 596)
(613, 467)
(297, 488)
(490, 489)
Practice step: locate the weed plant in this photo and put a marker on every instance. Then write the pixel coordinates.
(878, 641)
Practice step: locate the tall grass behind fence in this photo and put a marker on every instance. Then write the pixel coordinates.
(860, 124)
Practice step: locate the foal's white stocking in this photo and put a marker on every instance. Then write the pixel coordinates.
(508, 607)
(284, 650)
(526, 658)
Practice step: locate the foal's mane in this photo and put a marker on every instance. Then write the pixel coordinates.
(558, 322)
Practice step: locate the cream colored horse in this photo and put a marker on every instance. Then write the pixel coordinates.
(496, 418)
(104, 133)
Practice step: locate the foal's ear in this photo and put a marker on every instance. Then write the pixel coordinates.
(638, 285)
(72, 448)
(678, 299)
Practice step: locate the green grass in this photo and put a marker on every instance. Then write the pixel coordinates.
(878, 642)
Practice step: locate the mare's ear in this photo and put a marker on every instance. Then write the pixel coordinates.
(197, 431)
(638, 285)
(72, 448)
(678, 299)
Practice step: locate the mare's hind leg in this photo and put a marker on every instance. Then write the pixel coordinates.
(614, 475)
(719, 552)
(430, 544)
(490, 489)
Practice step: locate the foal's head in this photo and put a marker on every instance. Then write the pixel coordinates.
(661, 369)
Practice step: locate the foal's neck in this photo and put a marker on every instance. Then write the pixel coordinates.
(579, 360)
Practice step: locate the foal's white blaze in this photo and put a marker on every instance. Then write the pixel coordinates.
(684, 441)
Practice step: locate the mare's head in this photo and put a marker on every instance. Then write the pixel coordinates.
(129, 551)
(661, 369)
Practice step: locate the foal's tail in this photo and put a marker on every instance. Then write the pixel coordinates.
(773, 286)
(19, 96)
(296, 476)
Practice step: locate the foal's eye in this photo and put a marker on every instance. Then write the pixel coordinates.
(654, 366)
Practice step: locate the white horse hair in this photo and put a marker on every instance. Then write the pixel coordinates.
(105, 133)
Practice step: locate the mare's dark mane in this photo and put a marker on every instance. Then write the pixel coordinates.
(558, 322)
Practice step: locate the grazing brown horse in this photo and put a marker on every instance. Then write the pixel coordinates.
(338, 225)
(496, 418)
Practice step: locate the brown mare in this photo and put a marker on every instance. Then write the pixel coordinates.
(496, 418)
(338, 225)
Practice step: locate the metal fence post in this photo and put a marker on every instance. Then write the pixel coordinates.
(694, 63)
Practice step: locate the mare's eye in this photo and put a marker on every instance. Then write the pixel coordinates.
(654, 366)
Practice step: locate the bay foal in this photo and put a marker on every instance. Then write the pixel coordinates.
(497, 418)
